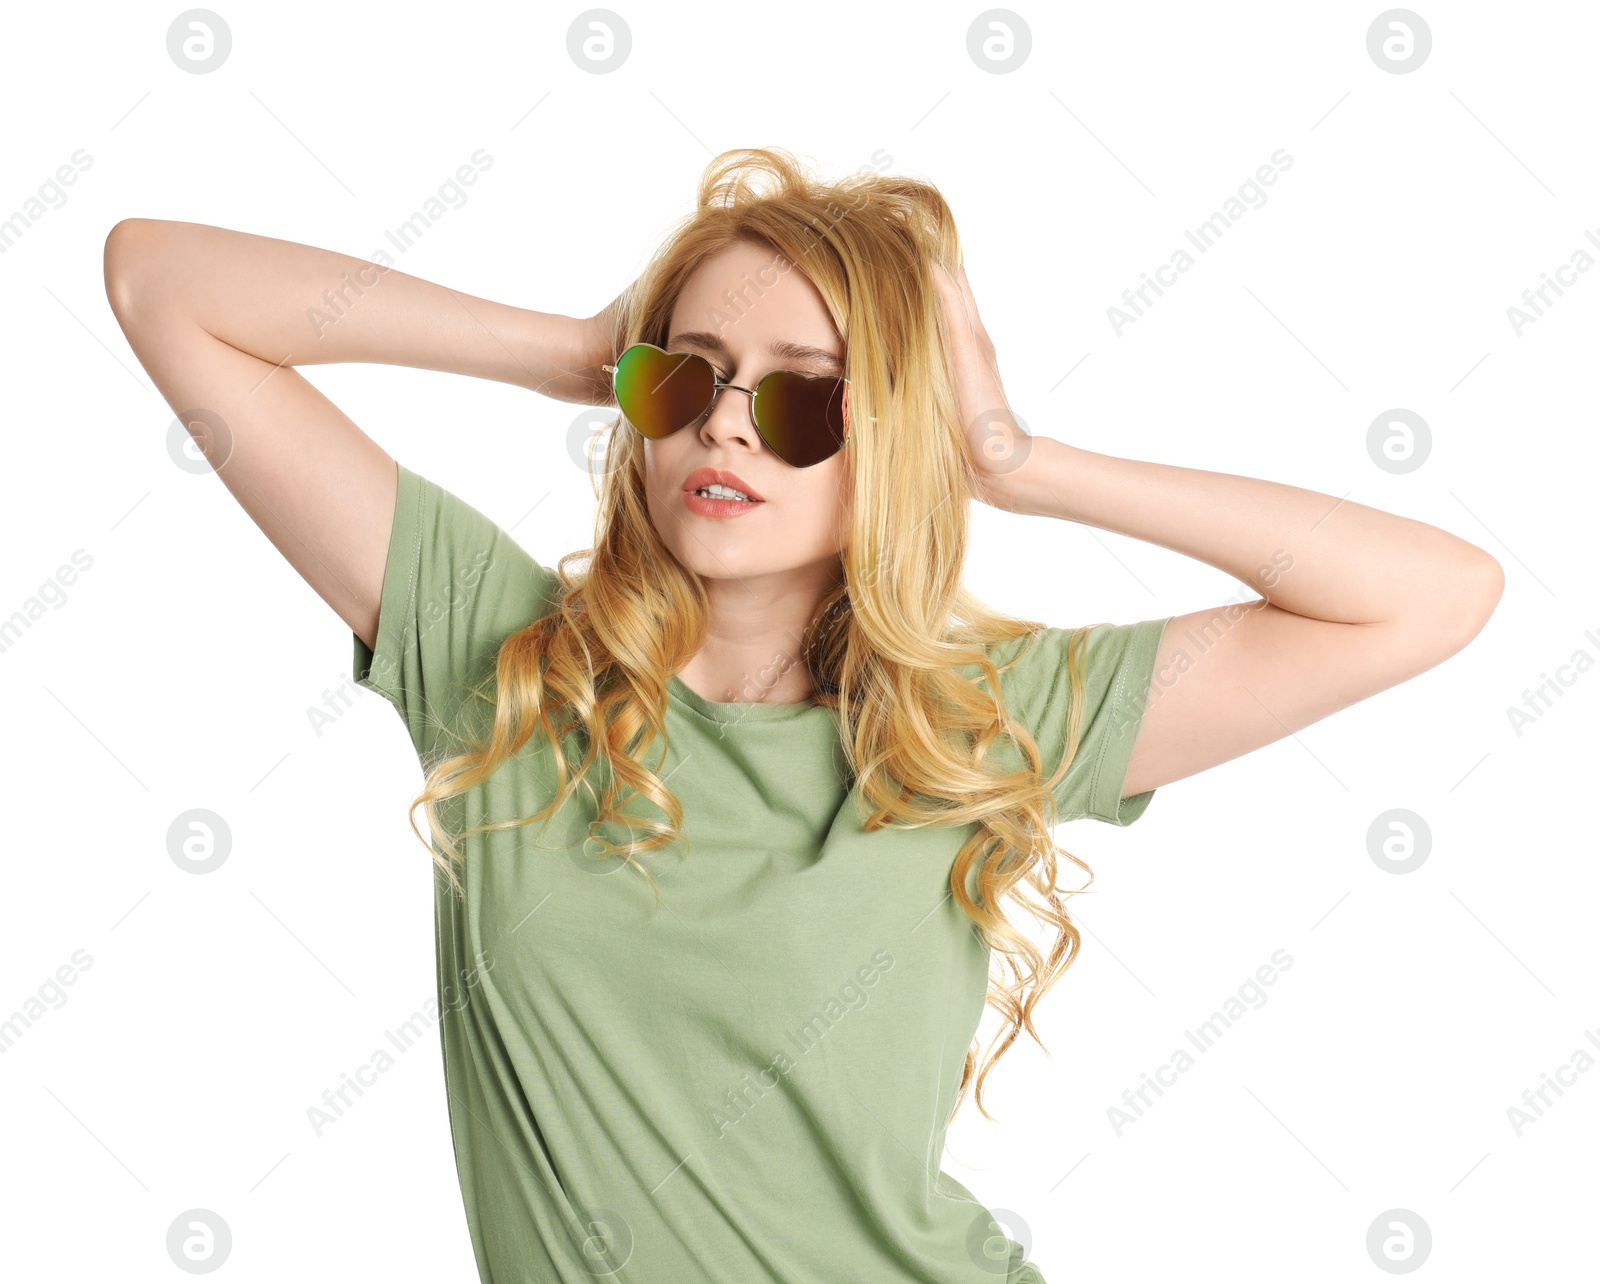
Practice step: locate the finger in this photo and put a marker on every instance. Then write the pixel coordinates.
(969, 304)
(966, 289)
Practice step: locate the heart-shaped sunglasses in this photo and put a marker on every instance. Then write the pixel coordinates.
(801, 417)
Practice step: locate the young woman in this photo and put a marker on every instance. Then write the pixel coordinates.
(727, 806)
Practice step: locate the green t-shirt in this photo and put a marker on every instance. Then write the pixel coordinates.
(752, 1083)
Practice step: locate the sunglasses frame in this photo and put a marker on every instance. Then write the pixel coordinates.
(717, 386)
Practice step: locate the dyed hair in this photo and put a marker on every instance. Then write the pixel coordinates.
(885, 642)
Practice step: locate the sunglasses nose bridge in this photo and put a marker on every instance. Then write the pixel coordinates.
(717, 387)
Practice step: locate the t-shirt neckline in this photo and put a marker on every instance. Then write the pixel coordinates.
(735, 710)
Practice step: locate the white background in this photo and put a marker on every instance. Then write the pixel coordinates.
(180, 667)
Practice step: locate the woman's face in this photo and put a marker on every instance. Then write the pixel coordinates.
(734, 307)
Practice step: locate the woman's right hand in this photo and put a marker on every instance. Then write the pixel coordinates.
(596, 345)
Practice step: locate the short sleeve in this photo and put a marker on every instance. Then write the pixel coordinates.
(1118, 667)
(455, 586)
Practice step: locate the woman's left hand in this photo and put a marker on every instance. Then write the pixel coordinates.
(996, 443)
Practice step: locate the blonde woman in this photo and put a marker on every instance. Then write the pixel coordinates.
(728, 809)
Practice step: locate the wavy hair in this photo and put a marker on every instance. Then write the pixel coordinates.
(883, 649)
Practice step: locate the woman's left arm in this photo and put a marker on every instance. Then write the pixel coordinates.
(1354, 600)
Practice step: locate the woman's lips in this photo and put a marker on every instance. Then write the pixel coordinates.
(720, 477)
(706, 507)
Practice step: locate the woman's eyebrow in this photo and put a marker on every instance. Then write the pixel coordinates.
(779, 348)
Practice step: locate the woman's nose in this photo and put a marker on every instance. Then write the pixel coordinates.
(732, 416)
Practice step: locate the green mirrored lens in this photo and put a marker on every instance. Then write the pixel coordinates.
(660, 391)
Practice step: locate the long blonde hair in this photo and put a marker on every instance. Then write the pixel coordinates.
(886, 641)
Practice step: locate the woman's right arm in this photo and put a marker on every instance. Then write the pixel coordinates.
(219, 318)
